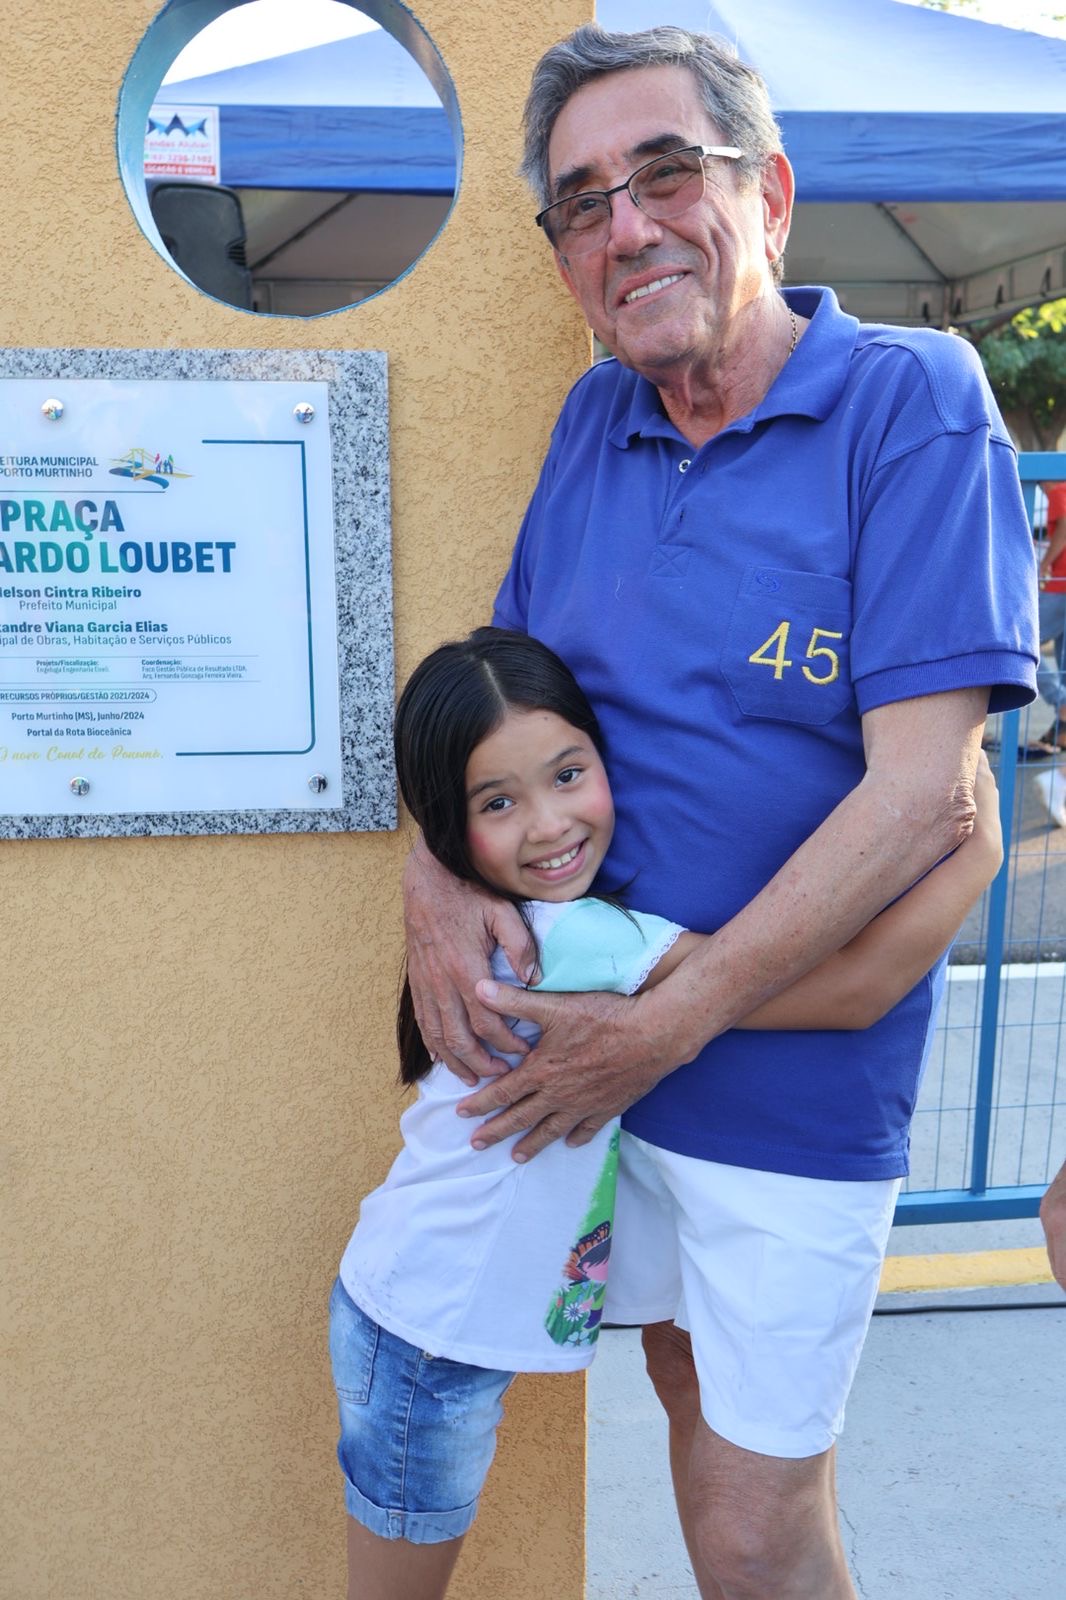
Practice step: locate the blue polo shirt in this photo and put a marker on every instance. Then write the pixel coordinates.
(732, 611)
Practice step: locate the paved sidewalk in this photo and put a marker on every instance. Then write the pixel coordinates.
(952, 1467)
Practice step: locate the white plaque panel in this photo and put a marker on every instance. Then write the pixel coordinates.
(169, 603)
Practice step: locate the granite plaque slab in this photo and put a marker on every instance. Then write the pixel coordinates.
(195, 594)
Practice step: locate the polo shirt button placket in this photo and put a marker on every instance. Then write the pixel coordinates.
(670, 558)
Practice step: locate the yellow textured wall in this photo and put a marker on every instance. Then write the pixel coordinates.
(197, 1067)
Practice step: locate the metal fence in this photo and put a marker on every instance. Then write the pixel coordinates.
(990, 1129)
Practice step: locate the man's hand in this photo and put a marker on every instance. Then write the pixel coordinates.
(597, 1054)
(452, 929)
(1053, 1217)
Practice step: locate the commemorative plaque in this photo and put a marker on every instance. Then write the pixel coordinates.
(195, 616)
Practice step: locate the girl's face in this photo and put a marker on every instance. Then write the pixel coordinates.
(538, 807)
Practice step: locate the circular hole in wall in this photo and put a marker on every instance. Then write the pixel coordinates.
(289, 159)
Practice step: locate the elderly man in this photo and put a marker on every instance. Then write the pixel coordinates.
(787, 558)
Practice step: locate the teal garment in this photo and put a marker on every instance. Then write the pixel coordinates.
(595, 945)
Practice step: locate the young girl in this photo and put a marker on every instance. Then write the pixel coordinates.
(467, 1267)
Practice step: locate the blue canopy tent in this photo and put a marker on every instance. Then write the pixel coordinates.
(877, 98)
(930, 149)
(344, 159)
(356, 114)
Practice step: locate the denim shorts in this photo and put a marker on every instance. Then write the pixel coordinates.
(418, 1432)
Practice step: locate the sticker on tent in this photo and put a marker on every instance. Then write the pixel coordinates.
(182, 142)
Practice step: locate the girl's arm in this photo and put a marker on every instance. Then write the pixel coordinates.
(860, 983)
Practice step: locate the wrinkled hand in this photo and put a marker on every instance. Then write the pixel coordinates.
(1053, 1217)
(597, 1054)
(452, 928)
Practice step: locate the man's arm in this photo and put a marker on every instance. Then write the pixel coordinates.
(451, 929)
(598, 1054)
(861, 982)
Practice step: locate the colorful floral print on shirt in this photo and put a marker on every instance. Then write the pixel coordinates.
(577, 1306)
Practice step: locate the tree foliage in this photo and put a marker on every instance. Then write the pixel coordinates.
(1025, 360)
(975, 8)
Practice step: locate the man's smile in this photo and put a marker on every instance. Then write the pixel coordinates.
(650, 288)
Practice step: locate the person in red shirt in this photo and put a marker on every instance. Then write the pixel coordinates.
(1052, 606)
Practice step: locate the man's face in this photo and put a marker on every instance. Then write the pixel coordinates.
(706, 265)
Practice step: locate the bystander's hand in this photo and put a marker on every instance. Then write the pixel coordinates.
(1053, 1217)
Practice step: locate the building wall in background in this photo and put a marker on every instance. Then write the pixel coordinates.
(198, 1070)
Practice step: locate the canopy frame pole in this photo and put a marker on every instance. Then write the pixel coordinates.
(941, 278)
(308, 227)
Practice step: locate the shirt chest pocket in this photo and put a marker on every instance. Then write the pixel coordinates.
(786, 651)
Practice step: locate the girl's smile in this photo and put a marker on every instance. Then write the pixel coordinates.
(539, 809)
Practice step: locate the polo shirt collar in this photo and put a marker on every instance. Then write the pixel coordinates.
(809, 384)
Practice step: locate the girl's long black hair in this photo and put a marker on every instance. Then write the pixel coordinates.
(457, 697)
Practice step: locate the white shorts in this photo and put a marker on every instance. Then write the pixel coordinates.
(773, 1276)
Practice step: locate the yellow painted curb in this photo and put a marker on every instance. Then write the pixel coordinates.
(980, 1269)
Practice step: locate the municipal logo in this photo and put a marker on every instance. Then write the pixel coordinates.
(147, 466)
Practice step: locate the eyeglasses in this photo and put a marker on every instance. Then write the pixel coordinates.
(662, 189)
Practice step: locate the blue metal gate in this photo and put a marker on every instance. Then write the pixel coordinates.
(990, 1129)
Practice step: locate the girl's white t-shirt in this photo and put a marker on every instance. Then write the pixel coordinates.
(475, 1257)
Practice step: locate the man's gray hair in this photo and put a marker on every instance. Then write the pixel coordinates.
(733, 94)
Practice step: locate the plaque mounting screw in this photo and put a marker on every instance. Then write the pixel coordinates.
(53, 409)
(317, 783)
(79, 786)
(304, 412)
